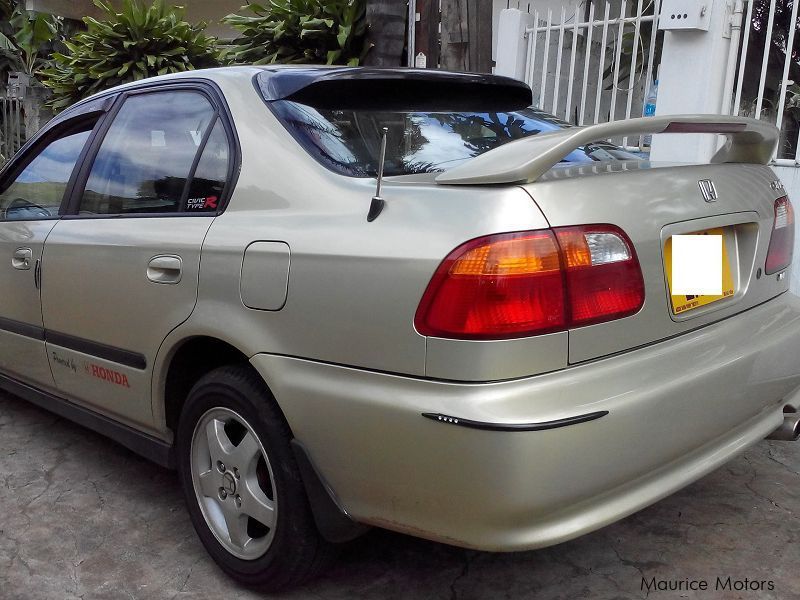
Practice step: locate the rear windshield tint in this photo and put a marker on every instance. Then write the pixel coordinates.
(348, 141)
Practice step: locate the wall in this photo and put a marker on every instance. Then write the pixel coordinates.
(531, 6)
(455, 35)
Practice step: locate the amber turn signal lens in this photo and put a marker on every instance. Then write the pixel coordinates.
(526, 255)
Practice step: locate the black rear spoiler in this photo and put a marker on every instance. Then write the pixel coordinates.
(360, 88)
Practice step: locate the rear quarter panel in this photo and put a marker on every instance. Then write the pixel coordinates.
(353, 286)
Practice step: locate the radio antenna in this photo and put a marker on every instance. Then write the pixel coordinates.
(378, 203)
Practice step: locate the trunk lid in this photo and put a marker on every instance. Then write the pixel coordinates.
(652, 203)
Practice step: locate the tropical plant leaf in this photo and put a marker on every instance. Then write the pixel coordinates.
(25, 37)
(299, 31)
(6, 43)
(137, 40)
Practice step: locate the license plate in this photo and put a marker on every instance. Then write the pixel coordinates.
(681, 303)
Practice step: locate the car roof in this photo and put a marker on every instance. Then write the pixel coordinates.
(213, 74)
(292, 81)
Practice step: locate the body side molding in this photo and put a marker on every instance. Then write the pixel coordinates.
(543, 426)
(23, 329)
(120, 356)
(70, 342)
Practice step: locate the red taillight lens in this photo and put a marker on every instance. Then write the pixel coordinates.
(604, 280)
(520, 284)
(499, 286)
(781, 244)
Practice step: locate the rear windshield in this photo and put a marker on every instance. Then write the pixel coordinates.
(348, 141)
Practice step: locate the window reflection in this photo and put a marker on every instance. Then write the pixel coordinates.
(145, 159)
(37, 191)
(208, 182)
(348, 141)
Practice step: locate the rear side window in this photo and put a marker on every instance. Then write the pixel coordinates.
(146, 157)
(208, 182)
(36, 192)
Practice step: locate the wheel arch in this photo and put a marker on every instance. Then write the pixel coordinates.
(191, 358)
(185, 363)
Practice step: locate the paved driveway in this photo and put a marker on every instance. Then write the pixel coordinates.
(81, 517)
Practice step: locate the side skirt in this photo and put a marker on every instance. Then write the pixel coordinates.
(151, 448)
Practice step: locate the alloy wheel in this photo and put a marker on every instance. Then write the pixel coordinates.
(234, 483)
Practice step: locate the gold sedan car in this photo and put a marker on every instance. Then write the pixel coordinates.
(336, 298)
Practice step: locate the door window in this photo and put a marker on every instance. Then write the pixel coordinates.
(145, 160)
(36, 192)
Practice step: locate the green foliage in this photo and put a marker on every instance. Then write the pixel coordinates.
(140, 41)
(792, 100)
(300, 31)
(7, 9)
(27, 34)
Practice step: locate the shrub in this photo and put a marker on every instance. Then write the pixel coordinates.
(24, 38)
(138, 42)
(300, 31)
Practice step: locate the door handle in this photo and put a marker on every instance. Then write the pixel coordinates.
(21, 259)
(165, 269)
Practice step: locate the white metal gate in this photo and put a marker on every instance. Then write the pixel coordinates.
(11, 127)
(597, 67)
(768, 72)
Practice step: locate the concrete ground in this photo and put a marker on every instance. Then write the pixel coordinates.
(81, 517)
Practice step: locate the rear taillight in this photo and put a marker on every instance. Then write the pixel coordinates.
(781, 244)
(528, 283)
(499, 286)
(604, 279)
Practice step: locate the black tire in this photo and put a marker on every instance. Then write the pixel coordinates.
(297, 551)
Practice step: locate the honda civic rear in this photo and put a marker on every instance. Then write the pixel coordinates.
(523, 369)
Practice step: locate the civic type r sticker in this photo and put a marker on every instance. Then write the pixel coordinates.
(202, 203)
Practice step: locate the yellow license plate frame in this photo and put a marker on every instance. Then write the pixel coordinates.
(682, 304)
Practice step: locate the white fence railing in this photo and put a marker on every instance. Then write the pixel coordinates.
(595, 69)
(594, 62)
(768, 72)
(11, 127)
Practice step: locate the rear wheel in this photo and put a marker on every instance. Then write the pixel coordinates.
(241, 483)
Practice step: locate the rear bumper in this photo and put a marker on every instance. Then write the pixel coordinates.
(676, 411)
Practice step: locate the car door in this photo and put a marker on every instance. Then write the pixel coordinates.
(122, 267)
(31, 194)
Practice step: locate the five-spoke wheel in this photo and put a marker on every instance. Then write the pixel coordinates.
(234, 483)
(241, 482)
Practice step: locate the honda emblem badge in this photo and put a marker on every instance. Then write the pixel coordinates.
(708, 189)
